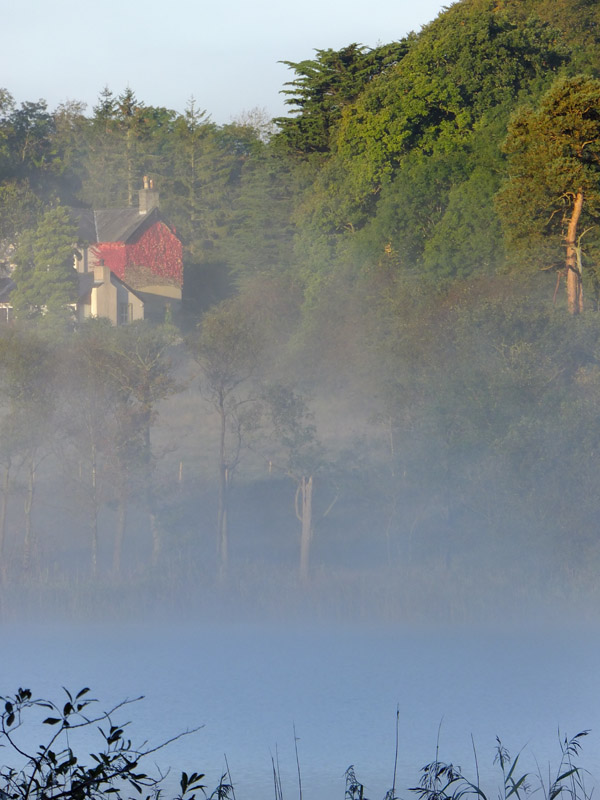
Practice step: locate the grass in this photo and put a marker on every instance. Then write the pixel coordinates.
(262, 590)
(441, 780)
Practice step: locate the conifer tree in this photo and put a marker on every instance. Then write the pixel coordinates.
(45, 277)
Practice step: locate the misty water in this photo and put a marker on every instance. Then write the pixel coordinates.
(251, 686)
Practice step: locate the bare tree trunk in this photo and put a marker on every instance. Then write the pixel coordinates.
(94, 539)
(156, 537)
(29, 543)
(94, 516)
(150, 495)
(304, 514)
(574, 285)
(3, 507)
(120, 532)
(223, 543)
(393, 507)
(130, 170)
(222, 533)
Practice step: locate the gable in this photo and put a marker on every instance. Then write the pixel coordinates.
(103, 294)
(153, 255)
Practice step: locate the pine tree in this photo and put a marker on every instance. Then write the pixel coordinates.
(45, 277)
(550, 205)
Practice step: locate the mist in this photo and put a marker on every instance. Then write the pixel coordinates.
(440, 607)
(397, 534)
(321, 478)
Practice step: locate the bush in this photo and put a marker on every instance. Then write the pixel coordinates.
(53, 770)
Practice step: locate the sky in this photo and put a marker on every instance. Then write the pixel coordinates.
(224, 53)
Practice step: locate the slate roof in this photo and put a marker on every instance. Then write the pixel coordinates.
(112, 224)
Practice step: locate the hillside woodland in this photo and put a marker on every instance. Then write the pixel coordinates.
(384, 395)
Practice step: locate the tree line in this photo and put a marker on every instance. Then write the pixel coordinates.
(86, 402)
(467, 148)
(460, 437)
(375, 312)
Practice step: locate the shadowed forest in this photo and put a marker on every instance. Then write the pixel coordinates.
(381, 397)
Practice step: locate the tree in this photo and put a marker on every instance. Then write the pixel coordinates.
(324, 85)
(89, 422)
(227, 351)
(125, 140)
(467, 239)
(104, 178)
(134, 360)
(199, 176)
(551, 200)
(7, 106)
(410, 209)
(201, 185)
(70, 131)
(258, 121)
(55, 770)
(29, 132)
(261, 231)
(468, 63)
(128, 114)
(295, 436)
(19, 211)
(28, 364)
(45, 277)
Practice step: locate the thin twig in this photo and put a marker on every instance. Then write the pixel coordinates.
(396, 753)
(476, 761)
(298, 764)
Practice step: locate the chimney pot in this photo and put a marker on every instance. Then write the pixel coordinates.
(148, 197)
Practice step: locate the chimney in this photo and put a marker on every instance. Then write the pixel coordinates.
(148, 196)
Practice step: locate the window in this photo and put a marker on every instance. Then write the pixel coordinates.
(125, 313)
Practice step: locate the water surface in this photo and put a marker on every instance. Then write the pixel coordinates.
(252, 686)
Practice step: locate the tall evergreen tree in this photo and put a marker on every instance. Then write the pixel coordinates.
(324, 85)
(45, 276)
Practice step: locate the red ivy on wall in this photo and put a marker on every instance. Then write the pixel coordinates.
(157, 249)
(114, 255)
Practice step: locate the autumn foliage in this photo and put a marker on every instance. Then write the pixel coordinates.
(158, 249)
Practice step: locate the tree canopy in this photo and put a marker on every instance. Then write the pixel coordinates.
(550, 203)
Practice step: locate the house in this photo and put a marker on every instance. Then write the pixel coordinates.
(102, 294)
(130, 262)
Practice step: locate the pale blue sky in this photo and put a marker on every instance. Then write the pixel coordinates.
(223, 52)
